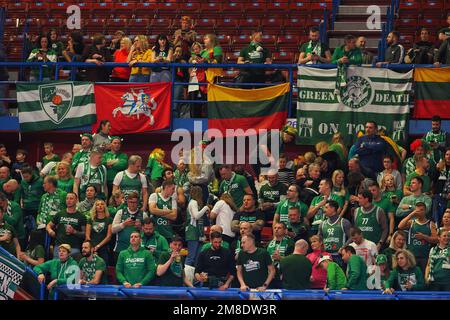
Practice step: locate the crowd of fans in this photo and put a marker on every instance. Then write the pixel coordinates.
(368, 217)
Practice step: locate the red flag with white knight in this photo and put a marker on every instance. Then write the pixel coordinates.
(133, 108)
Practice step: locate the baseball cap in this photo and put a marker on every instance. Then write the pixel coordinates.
(66, 246)
(381, 258)
(322, 259)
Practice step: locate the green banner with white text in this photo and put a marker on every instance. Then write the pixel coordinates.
(326, 106)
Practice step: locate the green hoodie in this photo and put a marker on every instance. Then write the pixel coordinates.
(398, 278)
(120, 165)
(157, 244)
(63, 272)
(356, 273)
(335, 276)
(14, 217)
(32, 192)
(135, 266)
(354, 55)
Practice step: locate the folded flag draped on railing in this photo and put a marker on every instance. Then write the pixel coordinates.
(133, 108)
(432, 88)
(11, 275)
(235, 111)
(55, 105)
(323, 108)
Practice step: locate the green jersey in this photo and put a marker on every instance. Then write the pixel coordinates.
(439, 260)
(194, 227)
(333, 235)
(440, 138)
(320, 214)
(420, 248)
(285, 205)
(368, 223)
(6, 228)
(121, 164)
(65, 185)
(154, 169)
(89, 268)
(254, 267)
(99, 229)
(130, 182)
(235, 187)
(180, 178)
(51, 204)
(163, 224)
(386, 205)
(123, 237)
(64, 219)
(14, 217)
(173, 277)
(135, 266)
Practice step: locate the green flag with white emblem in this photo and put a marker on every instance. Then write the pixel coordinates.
(55, 105)
(328, 104)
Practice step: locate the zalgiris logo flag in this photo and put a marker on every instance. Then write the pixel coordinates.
(331, 101)
(55, 105)
(234, 111)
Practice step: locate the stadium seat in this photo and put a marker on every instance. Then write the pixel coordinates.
(124, 10)
(210, 10)
(17, 10)
(146, 10)
(92, 26)
(167, 9)
(205, 25)
(233, 9)
(288, 41)
(266, 234)
(112, 25)
(226, 25)
(103, 10)
(240, 41)
(409, 7)
(47, 24)
(294, 25)
(160, 25)
(281, 8)
(299, 7)
(254, 9)
(283, 57)
(189, 8)
(138, 26)
(38, 10)
(249, 24)
(273, 25)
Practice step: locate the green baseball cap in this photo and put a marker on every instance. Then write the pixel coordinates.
(381, 258)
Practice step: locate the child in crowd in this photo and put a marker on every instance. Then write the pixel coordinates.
(49, 155)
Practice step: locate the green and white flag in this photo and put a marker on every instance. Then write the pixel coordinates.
(11, 275)
(55, 105)
(376, 94)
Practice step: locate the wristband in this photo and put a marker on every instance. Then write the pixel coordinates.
(265, 285)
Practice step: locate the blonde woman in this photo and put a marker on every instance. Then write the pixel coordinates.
(321, 148)
(122, 74)
(390, 191)
(140, 52)
(116, 202)
(223, 213)
(194, 224)
(98, 229)
(64, 176)
(405, 276)
(338, 146)
(340, 190)
(201, 171)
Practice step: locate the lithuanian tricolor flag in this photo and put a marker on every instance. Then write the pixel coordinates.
(230, 108)
(432, 92)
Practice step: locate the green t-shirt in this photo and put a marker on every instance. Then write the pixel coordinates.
(89, 268)
(174, 274)
(283, 209)
(9, 245)
(255, 53)
(37, 253)
(296, 270)
(154, 169)
(272, 194)
(77, 220)
(254, 267)
(386, 205)
(317, 47)
(45, 161)
(235, 187)
(425, 178)
(99, 229)
(65, 185)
